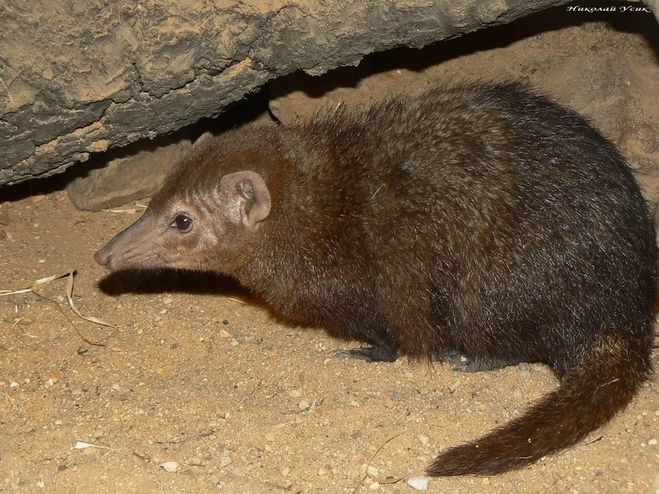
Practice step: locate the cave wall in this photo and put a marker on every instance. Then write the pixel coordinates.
(79, 78)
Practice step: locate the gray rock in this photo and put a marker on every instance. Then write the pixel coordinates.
(93, 76)
(125, 179)
(654, 5)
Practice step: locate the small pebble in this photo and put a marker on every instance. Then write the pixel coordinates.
(524, 367)
(225, 461)
(374, 486)
(13, 384)
(418, 483)
(425, 440)
(397, 396)
(82, 445)
(171, 466)
(371, 471)
(304, 405)
(652, 442)
(295, 393)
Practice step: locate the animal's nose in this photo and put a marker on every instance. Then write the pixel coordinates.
(103, 257)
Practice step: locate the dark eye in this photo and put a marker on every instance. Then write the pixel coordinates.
(182, 222)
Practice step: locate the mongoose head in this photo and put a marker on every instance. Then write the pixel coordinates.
(202, 219)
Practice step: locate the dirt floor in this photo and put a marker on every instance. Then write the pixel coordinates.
(197, 388)
(196, 373)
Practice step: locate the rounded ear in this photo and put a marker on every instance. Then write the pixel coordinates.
(248, 197)
(206, 136)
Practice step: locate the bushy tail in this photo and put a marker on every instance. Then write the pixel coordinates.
(589, 396)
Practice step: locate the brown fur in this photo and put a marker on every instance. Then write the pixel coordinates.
(480, 220)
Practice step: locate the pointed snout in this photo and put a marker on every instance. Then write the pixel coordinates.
(103, 256)
(126, 249)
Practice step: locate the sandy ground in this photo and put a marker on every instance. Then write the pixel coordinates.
(195, 372)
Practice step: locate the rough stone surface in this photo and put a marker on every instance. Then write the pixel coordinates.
(127, 178)
(82, 77)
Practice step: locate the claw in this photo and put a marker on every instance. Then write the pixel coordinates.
(367, 353)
